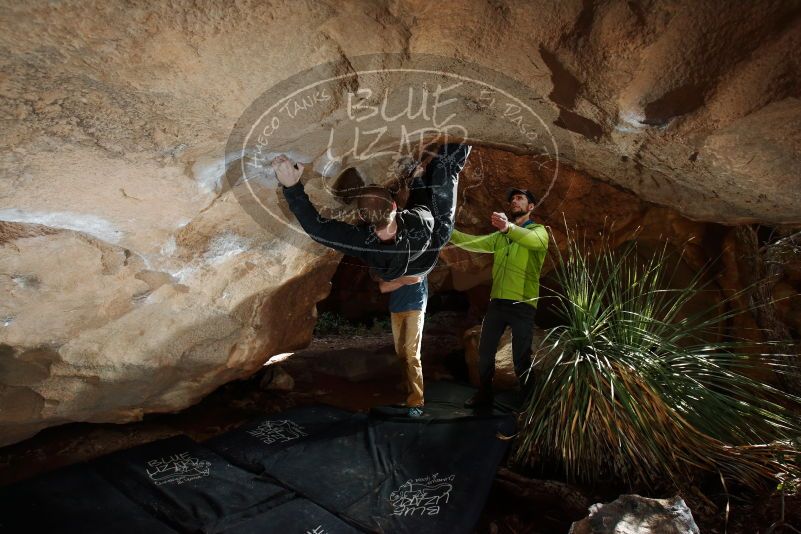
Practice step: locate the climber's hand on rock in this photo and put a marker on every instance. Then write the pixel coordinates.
(286, 171)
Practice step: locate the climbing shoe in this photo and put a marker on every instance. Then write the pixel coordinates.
(415, 411)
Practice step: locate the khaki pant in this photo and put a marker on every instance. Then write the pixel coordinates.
(407, 330)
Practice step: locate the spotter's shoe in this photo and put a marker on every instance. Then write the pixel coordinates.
(482, 399)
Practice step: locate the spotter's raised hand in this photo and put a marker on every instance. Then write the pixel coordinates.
(500, 221)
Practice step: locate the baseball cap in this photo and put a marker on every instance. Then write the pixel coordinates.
(514, 190)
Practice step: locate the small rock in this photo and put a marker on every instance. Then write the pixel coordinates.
(276, 379)
(632, 514)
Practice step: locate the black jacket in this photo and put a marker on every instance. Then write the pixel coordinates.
(390, 260)
(416, 245)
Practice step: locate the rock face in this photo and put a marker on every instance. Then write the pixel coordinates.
(134, 274)
(632, 514)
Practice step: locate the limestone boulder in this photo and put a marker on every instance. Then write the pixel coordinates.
(94, 331)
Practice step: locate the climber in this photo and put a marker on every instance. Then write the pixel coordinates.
(408, 297)
(393, 243)
(519, 249)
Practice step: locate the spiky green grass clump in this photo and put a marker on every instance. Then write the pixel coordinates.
(633, 386)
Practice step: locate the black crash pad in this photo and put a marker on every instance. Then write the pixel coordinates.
(311, 469)
(439, 480)
(73, 499)
(253, 445)
(298, 516)
(383, 473)
(334, 467)
(189, 486)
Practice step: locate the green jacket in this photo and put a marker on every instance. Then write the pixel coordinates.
(519, 254)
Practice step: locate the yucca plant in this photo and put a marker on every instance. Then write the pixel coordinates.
(632, 385)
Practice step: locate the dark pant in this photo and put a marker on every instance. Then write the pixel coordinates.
(437, 190)
(500, 314)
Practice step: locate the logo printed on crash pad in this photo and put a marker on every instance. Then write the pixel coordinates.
(316, 530)
(177, 469)
(422, 496)
(282, 431)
